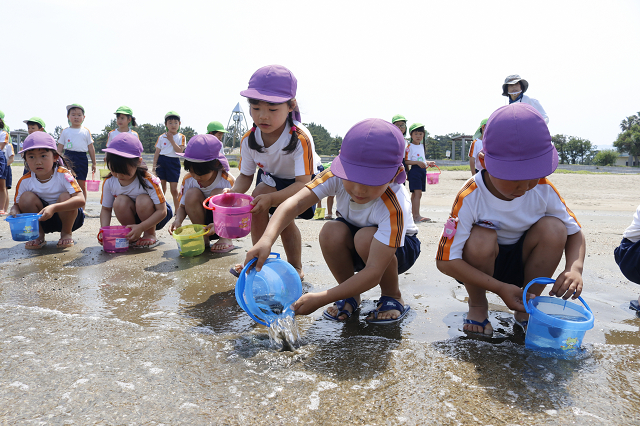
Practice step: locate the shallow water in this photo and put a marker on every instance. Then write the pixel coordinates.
(93, 338)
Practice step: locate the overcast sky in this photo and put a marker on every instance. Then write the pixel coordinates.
(440, 63)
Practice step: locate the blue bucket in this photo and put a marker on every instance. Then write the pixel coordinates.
(24, 226)
(267, 295)
(555, 325)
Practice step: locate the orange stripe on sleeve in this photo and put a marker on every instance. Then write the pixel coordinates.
(471, 148)
(320, 178)
(307, 152)
(396, 217)
(104, 182)
(444, 245)
(246, 135)
(545, 181)
(181, 193)
(15, 196)
(158, 141)
(74, 184)
(159, 192)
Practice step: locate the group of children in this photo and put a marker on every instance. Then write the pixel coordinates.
(509, 223)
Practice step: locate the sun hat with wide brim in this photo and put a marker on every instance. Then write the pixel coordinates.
(513, 79)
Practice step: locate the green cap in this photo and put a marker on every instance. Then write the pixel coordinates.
(124, 110)
(38, 120)
(1, 115)
(478, 133)
(216, 126)
(6, 128)
(74, 106)
(415, 126)
(398, 117)
(170, 113)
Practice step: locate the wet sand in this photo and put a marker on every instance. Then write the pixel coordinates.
(148, 337)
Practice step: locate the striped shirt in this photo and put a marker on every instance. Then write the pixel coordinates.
(111, 188)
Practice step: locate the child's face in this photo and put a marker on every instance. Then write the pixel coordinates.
(76, 117)
(402, 125)
(40, 161)
(173, 125)
(123, 120)
(32, 127)
(510, 189)
(362, 194)
(417, 136)
(126, 178)
(203, 179)
(270, 118)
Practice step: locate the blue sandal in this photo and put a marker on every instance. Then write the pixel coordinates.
(482, 324)
(340, 304)
(385, 304)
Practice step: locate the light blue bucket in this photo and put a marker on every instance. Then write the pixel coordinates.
(267, 295)
(555, 325)
(24, 226)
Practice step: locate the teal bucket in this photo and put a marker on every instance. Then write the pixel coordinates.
(556, 326)
(266, 296)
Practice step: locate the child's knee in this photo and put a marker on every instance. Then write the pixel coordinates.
(334, 233)
(550, 229)
(482, 244)
(122, 202)
(193, 196)
(262, 188)
(144, 202)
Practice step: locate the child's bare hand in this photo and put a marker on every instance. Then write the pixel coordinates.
(174, 225)
(261, 251)
(567, 285)
(210, 228)
(512, 297)
(47, 213)
(431, 163)
(308, 303)
(261, 203)
(136, 232)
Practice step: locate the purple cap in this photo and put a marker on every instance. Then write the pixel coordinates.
(39, 140)
(371, 153)
(517, 144)
(125, 145)
(274, 84)
(203, 148)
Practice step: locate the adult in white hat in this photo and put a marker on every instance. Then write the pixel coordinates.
(514, 87)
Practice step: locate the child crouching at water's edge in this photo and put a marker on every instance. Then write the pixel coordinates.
(511, 224)
(374, 241)
(49, 189)
(208, 176)
(133, 193)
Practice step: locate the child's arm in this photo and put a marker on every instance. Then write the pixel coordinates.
(92, 154)
(284, 215)
(60, 149)
(10, 160)
(379, 257)
(155, 160)
(242, 185)
(472, 165)
(569, 282)
(264, 202)
(181, 214)
(14, 210)
(420, 164)
(152, 221)
(462, 271)
(105, 216)
(74, 202)
(176, 147)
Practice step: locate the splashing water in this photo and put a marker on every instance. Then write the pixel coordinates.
(284, 333)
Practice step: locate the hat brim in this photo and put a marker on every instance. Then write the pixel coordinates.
(42, 146)
(222, 160)
(524, 83)
(264, 96)
(120, 153)
(533, 168)
(372, 176)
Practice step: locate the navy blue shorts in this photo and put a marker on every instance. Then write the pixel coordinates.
(417, 178)
(406, 255)
(509, 267)
(54, 224)
(80, 163)
(627, 256)
(168, 168)
(282, 184)
(3, 166)
(9, 177)
(163, 222)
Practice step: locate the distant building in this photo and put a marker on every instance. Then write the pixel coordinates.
(625, 159)
(17, 137)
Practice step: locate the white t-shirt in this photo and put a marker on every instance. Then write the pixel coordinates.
(302, 161)
(391, 213)
(222, 180)
(474, 150)
(316, 157)
(415, 153)
(76, 139)
(475, 205)
(62, 181)
(536, 104)
(632, 233)
(165, 146)
(111, 188)
(4, 137)
(8, 151)
(116, 132)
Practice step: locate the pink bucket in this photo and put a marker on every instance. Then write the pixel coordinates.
(93, 185)
(433, 177)
(231, 214)
(114, 238)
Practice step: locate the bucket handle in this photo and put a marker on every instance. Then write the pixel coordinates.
(439, 171)
(544, 281)
(100, 236)
(205, 204)
(196, 235)
(240, 285)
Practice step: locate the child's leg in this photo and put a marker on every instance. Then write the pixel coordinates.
(83, 186)
(67, 218)
(4, 194)
(193, 199)
(144, 209)
(125, 209)
(480, 251)
(416, 195)
(163, 185)
(174, 193)
(292, 243)
(330, 205)
(337, 245)
(259, 221)
(30, 203)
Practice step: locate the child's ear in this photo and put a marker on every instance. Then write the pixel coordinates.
(293, 105)
(481, 158)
